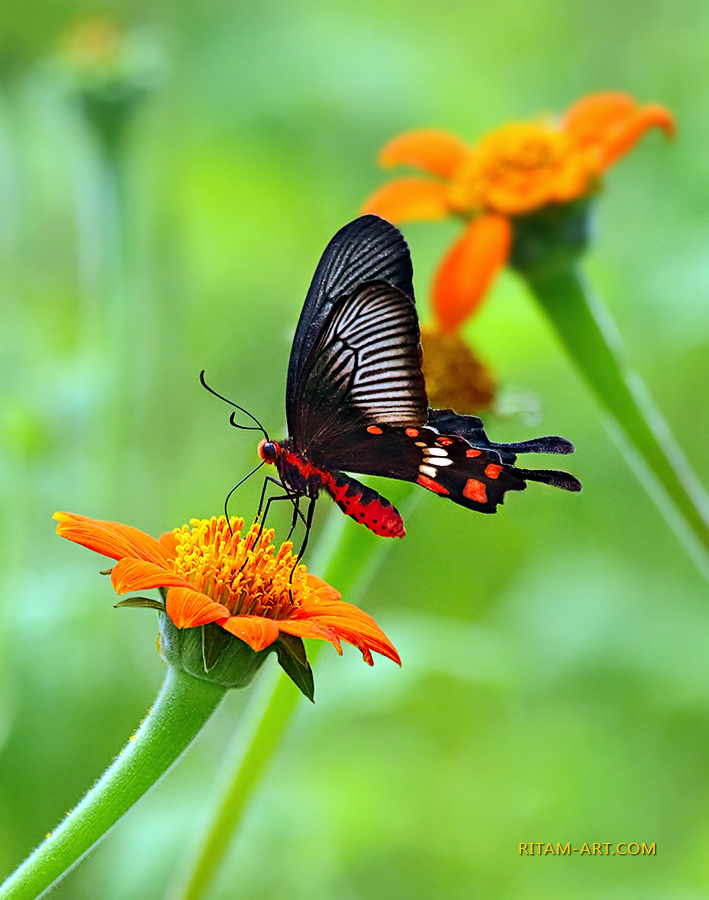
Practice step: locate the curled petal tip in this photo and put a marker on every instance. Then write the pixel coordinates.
(408, 200)
(432, 151)
(654, 115)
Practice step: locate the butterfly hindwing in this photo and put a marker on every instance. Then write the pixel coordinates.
(472, 429)
(447, 465)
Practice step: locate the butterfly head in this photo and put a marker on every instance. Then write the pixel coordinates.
(268, 451)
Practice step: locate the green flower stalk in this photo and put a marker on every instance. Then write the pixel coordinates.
(228, 602)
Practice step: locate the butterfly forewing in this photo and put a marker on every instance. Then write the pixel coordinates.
(365, 369)
(367, 249)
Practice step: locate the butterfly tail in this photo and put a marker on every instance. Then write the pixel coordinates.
(562, 480)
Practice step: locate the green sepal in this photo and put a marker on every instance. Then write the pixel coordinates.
(140, 603)
(294, 662)
(552, 238)
(215, 640)
(235, 666)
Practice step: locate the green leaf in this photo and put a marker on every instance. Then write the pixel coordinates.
(140, 603)
(294, 662)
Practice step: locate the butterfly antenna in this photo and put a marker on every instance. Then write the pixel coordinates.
(258, 426)
(238, 484)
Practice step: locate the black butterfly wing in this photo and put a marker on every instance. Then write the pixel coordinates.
(363, 371)
(446, 421)
(447, 464)
(367, 249)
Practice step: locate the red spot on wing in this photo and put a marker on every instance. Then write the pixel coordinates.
(432, 485)
(472, 452)
(412, 432)
(374, 429)
(444, 441)
(475, 490)
(493, 470)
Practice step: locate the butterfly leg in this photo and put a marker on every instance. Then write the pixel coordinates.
(289, 495)
(296, 514)
(308, 525)
(263, 510)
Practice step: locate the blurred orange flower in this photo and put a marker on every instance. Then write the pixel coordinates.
(513, 171)
(212, 574)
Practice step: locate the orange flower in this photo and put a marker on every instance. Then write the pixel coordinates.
(513, 171)
(212, 574)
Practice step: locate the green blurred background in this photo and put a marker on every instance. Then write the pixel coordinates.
(555, 683)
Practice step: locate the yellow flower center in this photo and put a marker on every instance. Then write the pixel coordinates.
(247, 576)
(518, 168)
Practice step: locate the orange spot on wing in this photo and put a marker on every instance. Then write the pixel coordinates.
(374, 429)
(444, 441)
(493, 471)
(475, 490)
(434, 486)
(472, 452)
(412, 432)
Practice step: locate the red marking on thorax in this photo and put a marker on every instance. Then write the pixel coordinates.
(475, 490)
(432, 485)
(305, 468)
(493, 470)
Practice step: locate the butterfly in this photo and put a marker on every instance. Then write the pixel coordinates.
(356, 402)
(356, 399)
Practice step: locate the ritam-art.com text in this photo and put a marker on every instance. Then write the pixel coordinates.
(605, 848)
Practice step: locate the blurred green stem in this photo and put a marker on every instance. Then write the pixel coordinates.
(181, 709)
(592, 340)
(347, 557)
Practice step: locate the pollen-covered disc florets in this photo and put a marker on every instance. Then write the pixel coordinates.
(245, 575)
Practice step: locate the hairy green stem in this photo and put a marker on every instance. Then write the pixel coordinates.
(181, 709)
(347, 557)
(592, 341)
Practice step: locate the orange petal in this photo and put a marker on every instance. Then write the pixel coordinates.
(168, 540)
(591, 115)
(436, 152)
(325, 591)
(307, 629)
(469, 268)
(408, 200)
(256, 631)
(138, 575)
(350, 624)
(189, 608)
(621, 138)
(110, 538)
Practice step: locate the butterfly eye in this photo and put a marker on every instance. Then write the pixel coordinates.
(267, 451)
